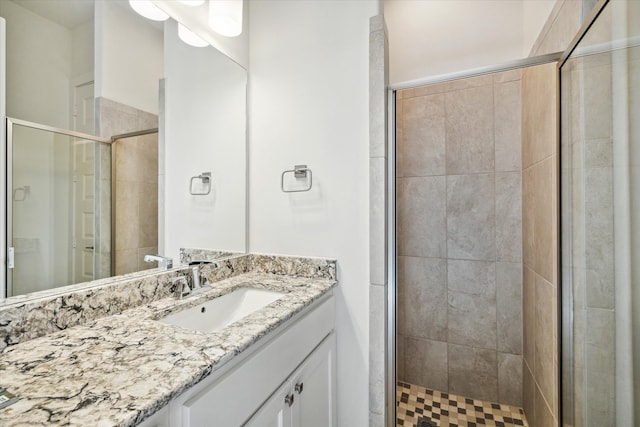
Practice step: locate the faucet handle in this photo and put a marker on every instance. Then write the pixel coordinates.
(183, 288)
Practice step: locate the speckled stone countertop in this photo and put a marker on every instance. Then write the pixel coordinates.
(120, 369)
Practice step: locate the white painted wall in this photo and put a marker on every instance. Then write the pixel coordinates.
(204, 130)
(428, 38)
(535, 13)
(309, 104)
(129, 56)
(82, 57)
(38, 67)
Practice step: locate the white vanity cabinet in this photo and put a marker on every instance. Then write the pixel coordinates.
(306, 399)
(253, 386)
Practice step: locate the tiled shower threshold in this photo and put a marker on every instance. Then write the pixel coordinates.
(449, 410)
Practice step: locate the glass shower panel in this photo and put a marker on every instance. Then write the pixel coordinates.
(53, 209)
(600, 201)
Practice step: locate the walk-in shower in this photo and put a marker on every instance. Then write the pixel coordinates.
(517, 238)
(461, 159)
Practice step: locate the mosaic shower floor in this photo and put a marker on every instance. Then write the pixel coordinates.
(450, 410)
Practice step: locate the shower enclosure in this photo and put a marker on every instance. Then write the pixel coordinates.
(80, 207)
(459, 222)
(600, 201)
(53, 207)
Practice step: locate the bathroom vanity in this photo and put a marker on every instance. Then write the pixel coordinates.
(274, 365)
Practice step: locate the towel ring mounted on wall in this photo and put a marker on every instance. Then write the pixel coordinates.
(205, 177)
(299, 171)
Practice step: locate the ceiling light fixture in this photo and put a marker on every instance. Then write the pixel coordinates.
(189, 37)
(225, 17)
(192, 2)
(149, 10)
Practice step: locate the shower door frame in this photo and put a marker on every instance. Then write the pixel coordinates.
(9, 122)
(391, 314)
(566, 403)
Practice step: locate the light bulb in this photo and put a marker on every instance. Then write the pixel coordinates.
(189, 37)
(225, 17)
(149, 10)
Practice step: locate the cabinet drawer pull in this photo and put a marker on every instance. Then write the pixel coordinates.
(289, 399)
(299, 387)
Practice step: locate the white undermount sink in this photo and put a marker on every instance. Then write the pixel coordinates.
(220, 312)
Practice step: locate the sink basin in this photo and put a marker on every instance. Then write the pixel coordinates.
(220, 312)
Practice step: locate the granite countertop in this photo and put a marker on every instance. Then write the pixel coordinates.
(120, 369)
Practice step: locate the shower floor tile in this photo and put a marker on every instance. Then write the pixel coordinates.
(450, 410)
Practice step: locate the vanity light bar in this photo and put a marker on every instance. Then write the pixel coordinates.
(223, 17)
(149, 10)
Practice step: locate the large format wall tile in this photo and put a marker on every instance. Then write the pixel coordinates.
(529, 316)
(528, 218)
(473, 372)
(545, 340)
(127, 215)
(545, 219)
(508, 217)
(422, 297)
(539, 121)
(543, 414)
(136, 174)
(471, 217)
(510, 379)
(423, 137)
(469, 127)
(472, 277)
(476, 125)
(426, 363)
(509, 307)
(422, 216)
(528, 394)
(539, 241)
(472, 320)
(508, 126)
(148, 212)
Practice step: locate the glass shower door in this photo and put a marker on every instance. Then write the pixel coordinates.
(600, 196)
(52, 203)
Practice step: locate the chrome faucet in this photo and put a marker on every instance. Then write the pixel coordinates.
(164, 263)
(182, 286)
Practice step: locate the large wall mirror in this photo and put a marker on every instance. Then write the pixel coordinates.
(122, 141)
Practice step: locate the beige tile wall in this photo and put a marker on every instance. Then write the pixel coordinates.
(540, 142)
(540, 255)
(381, 390)
(136, 185)
(459, 237)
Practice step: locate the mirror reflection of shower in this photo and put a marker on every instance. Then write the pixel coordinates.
(51, 220)
(60, 225)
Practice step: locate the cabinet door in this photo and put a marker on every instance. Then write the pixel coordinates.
(276, 412)
(159, 419)
(313, 386)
